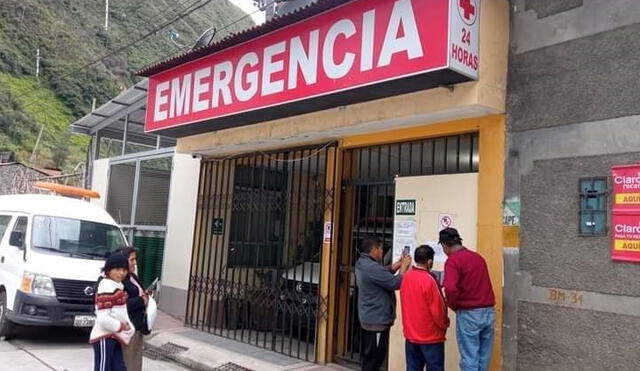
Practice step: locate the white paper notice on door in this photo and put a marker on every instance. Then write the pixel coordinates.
(439, 256)
(404, 234)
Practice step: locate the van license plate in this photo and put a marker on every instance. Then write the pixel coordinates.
(84, 321)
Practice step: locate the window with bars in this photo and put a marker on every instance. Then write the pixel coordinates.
(138, 191)
(258, 196)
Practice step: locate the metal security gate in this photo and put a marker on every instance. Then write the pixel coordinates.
(367, 210)
(138, 199)
(256, 255)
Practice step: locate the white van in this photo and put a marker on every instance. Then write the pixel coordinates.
(51, 251)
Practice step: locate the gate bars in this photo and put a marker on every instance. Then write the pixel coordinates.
(367, 209)
(257, 246)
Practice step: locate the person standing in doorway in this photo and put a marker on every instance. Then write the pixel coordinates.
(136, 308)
(469, 293)
(376, 300)
(424, 314)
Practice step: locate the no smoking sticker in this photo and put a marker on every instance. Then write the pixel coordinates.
(446, 221)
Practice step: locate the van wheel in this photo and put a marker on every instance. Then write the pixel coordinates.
(6, 327)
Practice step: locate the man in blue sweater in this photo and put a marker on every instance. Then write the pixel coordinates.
(376, 300)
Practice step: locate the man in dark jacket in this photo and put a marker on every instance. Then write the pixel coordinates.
(469, 293)
(376, 300)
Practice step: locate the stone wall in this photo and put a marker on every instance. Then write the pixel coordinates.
(573, 112)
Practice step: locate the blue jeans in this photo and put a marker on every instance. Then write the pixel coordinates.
(474, 329)
(419, 355)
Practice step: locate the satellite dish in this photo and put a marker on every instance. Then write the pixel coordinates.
(291, 6)
(206, 38)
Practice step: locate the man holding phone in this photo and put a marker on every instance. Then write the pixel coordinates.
(376, 300)
(407, 250)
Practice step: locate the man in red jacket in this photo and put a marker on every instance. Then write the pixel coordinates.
(424, 314)
(469, 293)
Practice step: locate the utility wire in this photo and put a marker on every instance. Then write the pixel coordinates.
(125, 47)
(128, 45)
(272, 156)
(169, 8)
(226, 26)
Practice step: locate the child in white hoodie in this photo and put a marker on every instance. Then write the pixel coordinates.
(112, 329)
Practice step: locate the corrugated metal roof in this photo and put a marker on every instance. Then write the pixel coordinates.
(298, 15)
(134, 96)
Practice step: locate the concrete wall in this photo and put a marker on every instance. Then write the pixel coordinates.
(572, 112)
(178, 243)
(100, 181)
(180, 224)
(12, 176)
(552, 252)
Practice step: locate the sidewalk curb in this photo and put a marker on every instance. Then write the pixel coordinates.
(181, 360)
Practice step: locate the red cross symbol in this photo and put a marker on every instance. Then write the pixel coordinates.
(468, 8)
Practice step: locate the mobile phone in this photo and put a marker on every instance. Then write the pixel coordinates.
(153, 285)
(406, 250)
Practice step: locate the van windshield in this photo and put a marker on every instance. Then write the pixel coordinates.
(76, 238)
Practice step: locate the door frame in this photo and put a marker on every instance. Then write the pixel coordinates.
(491, 129)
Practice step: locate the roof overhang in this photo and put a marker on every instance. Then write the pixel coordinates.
(131, 102)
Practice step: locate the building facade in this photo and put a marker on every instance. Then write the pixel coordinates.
(287, 191)
(139, 178)
(572, 117)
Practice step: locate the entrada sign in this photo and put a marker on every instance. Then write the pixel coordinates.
(377, 44)
(406, 207)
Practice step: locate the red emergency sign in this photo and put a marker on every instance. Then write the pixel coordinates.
(358, 44)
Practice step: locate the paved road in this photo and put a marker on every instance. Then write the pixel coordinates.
(46, 349)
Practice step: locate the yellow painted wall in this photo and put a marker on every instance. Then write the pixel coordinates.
(435, 194)
(490, 188)
(472, 99)
(473, 106)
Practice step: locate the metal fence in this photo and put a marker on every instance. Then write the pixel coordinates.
(368, 209)
(257, 243)
(138, 198)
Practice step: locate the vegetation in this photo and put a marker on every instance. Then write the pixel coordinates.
(70, 34)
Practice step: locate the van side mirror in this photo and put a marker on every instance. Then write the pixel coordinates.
(17, 239)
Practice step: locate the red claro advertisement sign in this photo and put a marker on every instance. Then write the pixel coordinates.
(625, 218)
(358, 44)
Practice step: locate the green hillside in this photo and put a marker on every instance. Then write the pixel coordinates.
(70, 34)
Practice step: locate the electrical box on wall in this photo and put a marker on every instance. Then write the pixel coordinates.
(593, 206)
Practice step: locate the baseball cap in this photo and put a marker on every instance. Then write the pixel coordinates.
(449, 235)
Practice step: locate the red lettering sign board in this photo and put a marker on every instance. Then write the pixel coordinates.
(625, 218)
(358, 51)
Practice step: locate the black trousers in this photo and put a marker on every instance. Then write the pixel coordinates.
(108, 356)
(375, 345)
